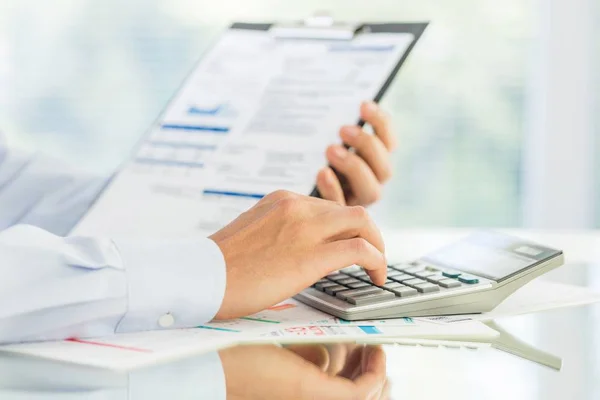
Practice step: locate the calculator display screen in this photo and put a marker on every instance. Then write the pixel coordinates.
(491, 255)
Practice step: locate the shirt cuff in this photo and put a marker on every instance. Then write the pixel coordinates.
(171, 283)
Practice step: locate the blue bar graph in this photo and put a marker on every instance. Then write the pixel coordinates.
(169, 163)
(197, 128)
(194, 110)
(233, 194)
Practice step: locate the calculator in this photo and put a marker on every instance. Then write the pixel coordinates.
(470, 276)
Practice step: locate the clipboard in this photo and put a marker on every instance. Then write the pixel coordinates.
(156, 194)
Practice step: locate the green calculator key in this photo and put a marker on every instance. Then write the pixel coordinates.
(468, 279)
(451, 274)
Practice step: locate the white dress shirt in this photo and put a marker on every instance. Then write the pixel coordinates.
(28, 378)
(55, 287)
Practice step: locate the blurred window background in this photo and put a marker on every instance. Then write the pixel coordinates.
(494, 109)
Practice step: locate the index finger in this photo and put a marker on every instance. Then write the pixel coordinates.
(349, 222)
(334, 256)
(372, 114)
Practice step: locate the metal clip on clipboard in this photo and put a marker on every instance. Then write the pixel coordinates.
(319, 26)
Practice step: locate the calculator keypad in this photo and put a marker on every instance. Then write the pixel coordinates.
(404, 280)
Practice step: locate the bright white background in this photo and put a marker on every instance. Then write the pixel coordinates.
(495, 110)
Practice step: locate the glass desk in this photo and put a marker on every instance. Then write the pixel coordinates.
(568, 338)
(571, 337)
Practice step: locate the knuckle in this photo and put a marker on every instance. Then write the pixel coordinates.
(289, 206)
(358, 246)
(280, 195)
(360, 212)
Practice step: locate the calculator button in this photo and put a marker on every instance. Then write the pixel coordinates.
(336, 277)
(427, 287)
(358, 285)
(398, 266)
(321, 281)
(347, 280)
(432, 268)
(402, 278)
(451, 274)
(325, 285)
(355, 292)
(404, 291)
(332, 290)
(393, 285)
(370, 297)
(413, 282)
(468, 279)
(449, 283)
(437, 278)
(358, 274)
(393, 272)
(413, 270)
(424, 274)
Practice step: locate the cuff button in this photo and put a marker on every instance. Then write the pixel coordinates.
(166, 321)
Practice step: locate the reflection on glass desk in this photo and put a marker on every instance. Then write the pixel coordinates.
(553, 355)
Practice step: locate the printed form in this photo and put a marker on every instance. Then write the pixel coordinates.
(255, 116)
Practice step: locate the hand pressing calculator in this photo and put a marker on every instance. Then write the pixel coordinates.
(473, 275)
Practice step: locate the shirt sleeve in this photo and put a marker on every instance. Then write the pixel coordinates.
(54, 287)
(43, 191)
(198, 377)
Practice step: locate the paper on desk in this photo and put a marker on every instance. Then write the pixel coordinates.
(276, 325)
(536, 296)
(294, 313)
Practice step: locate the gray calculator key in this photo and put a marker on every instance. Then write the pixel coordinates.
(381, 295)
(413, 282)
(325, 285)
(347, 280)
(332, 290)
(358, 285)
(424, 274)
(355, 292)
(437, 278)
(399, 267)
(402, 278)
(336, 277)
(404, 291)
(393, 285)
(322, 281)
(449, 283)
(393, 272)
(427, 287)
(413, 270)
(358, 274)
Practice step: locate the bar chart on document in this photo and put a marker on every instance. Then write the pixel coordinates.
(255, 115)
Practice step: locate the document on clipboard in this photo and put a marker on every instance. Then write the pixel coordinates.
(255, 115)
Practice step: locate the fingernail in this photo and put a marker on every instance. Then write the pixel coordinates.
(351, 131)
(328, 175)
(340, 152)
